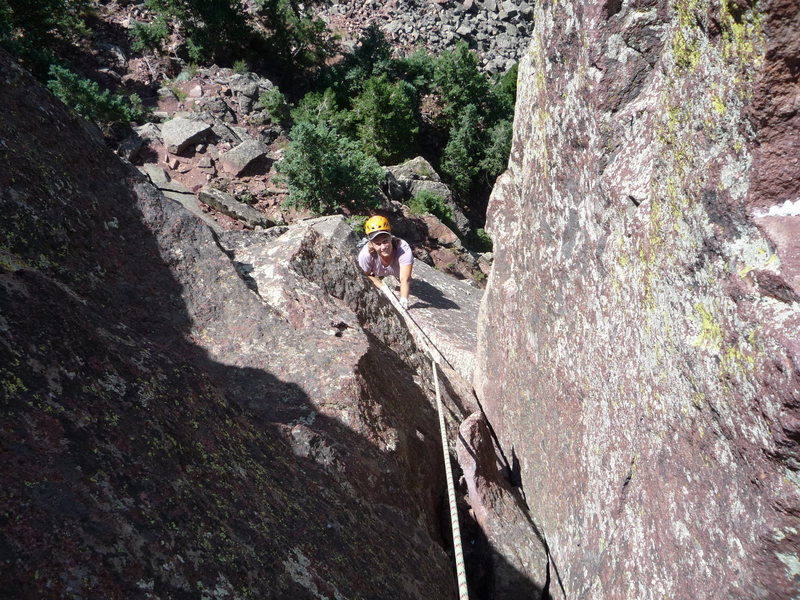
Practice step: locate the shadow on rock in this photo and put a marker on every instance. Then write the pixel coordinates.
(166, 431)
(430, 297)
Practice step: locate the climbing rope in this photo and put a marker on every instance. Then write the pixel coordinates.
(461, 574)
(463, 593)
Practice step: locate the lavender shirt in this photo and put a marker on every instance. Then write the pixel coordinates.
(371, 263)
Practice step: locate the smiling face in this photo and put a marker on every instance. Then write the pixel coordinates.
(383, 246)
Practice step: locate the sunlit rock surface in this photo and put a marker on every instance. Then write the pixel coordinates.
(639, 340)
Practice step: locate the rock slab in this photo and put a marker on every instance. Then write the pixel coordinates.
(638, 340)
(230, 206)
(180, 133)
(239, 158)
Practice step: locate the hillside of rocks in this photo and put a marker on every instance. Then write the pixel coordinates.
(498, 31)
(638, 343)
(191, 413)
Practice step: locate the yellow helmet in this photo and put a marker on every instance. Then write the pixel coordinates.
(377, 225)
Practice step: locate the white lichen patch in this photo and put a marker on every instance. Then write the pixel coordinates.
(781, 533)
(297, 566)
(113, 383)
(750, 252)
(792, 563)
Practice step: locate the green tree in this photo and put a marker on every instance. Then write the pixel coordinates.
(213, 28)
(387, 118)
(371, 57)
(325, 170)
(460, 83)
(504, 94)
(417, 69)
(464, 151)
(296, 39)
(33, 29)
(496, 152)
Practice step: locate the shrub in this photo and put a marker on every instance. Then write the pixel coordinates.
(297, 40)
(427, 201)
(212, 28)
(387, 118)
(246, 197)
(150, 36)
(274, 102)
(356, 223)
(179, 93)
(240, 67)
(321, 108)
(479, 240)
(90, 101)
(33, 29)
(325, 170)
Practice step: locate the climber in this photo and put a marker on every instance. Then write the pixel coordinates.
(384, 254)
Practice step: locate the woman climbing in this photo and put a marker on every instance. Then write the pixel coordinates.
(384, 254)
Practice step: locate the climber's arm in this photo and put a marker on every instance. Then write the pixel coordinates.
(405, 280)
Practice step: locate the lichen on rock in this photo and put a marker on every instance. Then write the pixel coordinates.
(638, 336)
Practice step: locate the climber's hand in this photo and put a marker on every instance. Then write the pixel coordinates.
(404, 303)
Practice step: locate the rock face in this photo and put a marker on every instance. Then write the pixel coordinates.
(638, 339)
(187, 414)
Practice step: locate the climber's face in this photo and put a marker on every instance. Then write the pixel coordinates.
(383, 245)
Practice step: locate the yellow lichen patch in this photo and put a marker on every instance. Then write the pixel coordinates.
(686, 38)
(710, 336)
(743, 38)
(718, 105)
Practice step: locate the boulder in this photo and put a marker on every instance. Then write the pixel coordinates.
(227, 204)
(175, 190)
(246, 154)
(180, 133)
(247, 88)
(150, 132)
(225, 133)
(440, 233)
(635, 351)
(130, 146)
(465, 30)
(416, 168)
(219, 109)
